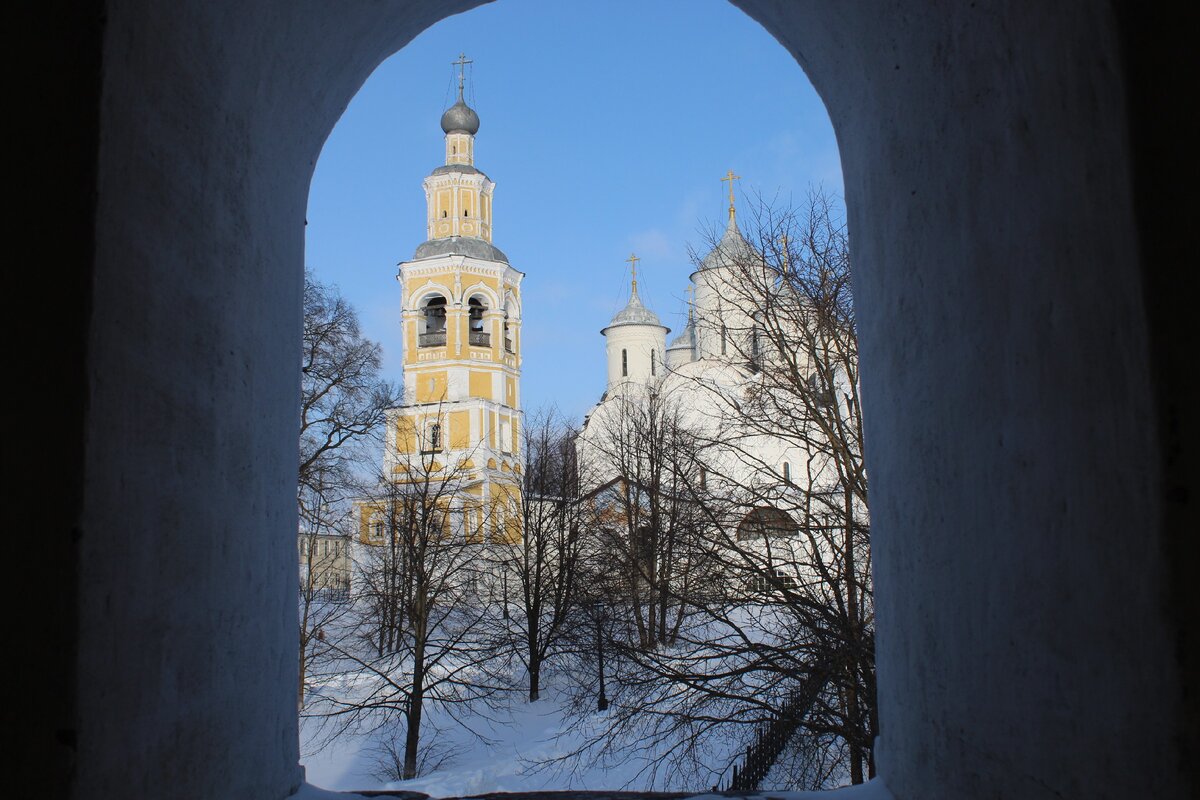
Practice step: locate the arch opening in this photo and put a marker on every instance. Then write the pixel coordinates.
(942, 261)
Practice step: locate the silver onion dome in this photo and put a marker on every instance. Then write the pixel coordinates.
(460, 118)
(634, 313)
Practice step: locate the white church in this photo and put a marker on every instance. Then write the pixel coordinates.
(765, 477)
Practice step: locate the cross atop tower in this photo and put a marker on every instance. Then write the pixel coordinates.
(461, 63)
(783, 241)
(688, 290)
(729, 176)
(632, 261)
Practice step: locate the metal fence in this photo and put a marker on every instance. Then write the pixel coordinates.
(772, 736)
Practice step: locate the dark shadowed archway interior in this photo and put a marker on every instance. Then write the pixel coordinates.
(1015, 455)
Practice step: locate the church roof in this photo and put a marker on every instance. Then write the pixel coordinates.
(634, 313)
(467, 169)
(460, 246)
(732, 247)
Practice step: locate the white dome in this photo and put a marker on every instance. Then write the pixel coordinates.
(731, 248)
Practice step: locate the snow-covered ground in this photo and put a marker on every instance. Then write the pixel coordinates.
(513, 752)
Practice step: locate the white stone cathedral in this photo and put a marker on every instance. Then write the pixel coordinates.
(700, 377)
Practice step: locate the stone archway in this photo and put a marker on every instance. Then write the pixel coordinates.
(1016, 452)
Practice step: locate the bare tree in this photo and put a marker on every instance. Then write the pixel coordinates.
(645, 455)
(325, 573)
(426, 634)
(343, 399)
(343, 405)
(801, 534)
(544, 566)
(745, 473)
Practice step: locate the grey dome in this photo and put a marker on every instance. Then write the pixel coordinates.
(460, 118)
(732, 248)
(634, 313)
(460, 246)
(685, 340)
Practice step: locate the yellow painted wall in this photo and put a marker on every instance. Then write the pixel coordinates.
(481, 384)
(410, 342)
(367, 515)
(460, 430)
(406, 435)
(506, 512)
(431, 387)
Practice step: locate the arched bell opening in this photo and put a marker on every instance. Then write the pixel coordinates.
(433, 322)
(477, 332)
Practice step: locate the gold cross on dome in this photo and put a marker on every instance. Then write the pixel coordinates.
(729, 176)
(632, 261)
(783, 242)
(461, 63)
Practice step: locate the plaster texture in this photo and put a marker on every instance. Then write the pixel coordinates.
(1027, 440)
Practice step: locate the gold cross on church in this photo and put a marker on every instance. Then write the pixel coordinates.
(729, 176)
(461, 63)
(632, 261)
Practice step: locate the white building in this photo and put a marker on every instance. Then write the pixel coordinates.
(762, 479)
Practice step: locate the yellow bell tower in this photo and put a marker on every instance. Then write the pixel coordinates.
(461, 420)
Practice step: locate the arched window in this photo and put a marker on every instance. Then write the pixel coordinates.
(445, 213)
(435, 437)
(434, 314)
(724, 338)
(787, 472)
(653, 360)
(624, 364)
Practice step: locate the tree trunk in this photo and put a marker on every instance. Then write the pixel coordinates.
(303, 667)
(412, 736)
(853, 722)
(602, 700)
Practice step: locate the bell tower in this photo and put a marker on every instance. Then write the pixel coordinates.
(461, 418)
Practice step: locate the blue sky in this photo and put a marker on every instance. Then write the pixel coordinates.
(606, 126)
